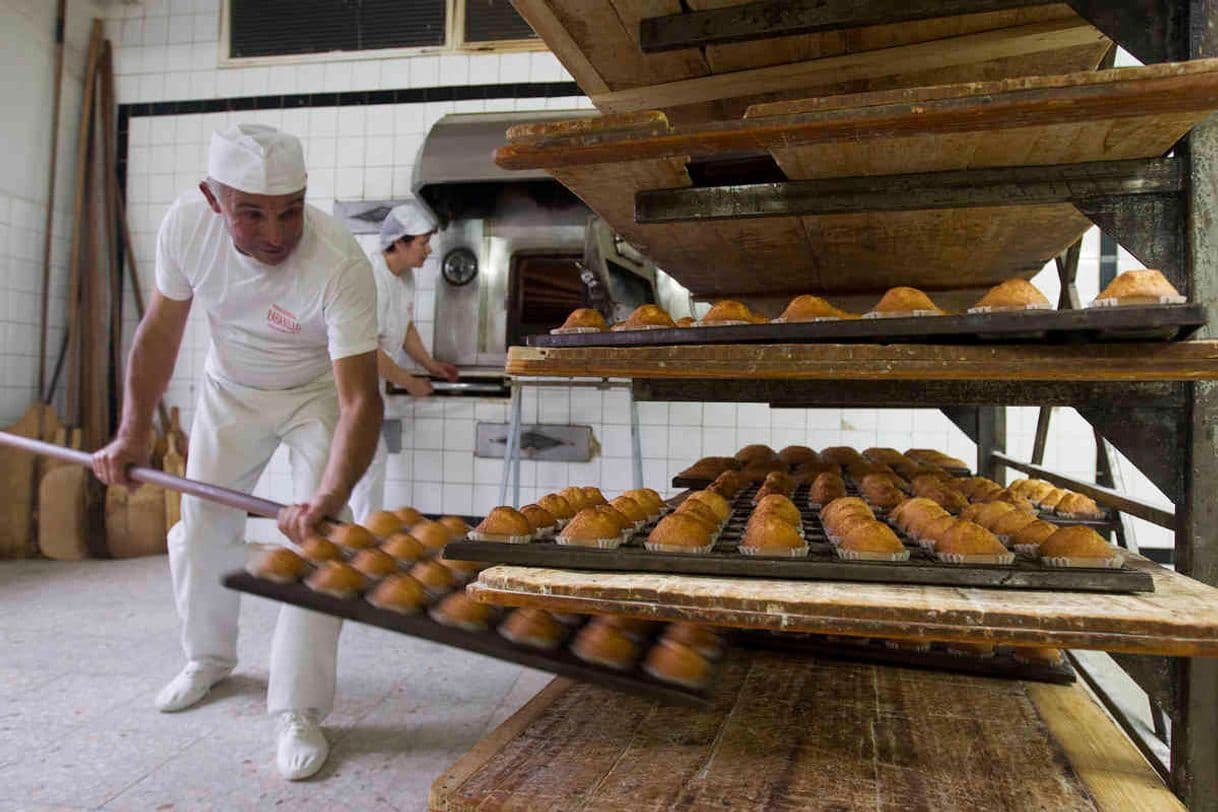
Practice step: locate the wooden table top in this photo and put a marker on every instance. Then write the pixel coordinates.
(1180, 618)
(794, 732)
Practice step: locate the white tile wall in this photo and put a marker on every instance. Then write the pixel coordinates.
(170, 50)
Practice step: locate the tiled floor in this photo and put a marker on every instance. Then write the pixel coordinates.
(85, 646)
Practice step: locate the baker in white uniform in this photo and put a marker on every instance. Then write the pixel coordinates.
(405, 244)
(291, 305)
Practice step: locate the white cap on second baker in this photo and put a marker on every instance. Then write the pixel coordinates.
(410, 219)
(257, 159)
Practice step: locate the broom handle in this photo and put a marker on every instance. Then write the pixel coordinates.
(151, 476)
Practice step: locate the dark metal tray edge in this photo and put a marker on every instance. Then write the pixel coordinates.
(488, 643)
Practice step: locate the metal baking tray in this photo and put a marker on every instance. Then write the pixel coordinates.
(1134, 323)
(821, 563)
(489, 643)
(1002, 665)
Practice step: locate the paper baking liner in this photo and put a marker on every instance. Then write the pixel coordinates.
(725, 323)
(274, 578)
(439, 617)
(695, 685)
(594, 660)
(1010, 309)
(545, 532)
(530, 641)
(620, 329)
(770, 552)
(678, 548)
(1114, 563)
(1087, 516)
(399, 610)
(1004, 559)
(907, 645)
(600, 544)
(812, 320)
(864, 555)
(500, 538)
(912, 313)
(1133, 301)
(571, 331)
(1032, 550)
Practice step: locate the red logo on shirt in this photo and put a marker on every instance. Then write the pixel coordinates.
(282, 320)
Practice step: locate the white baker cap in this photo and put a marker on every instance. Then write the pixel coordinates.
(410, 219)
(257, 159)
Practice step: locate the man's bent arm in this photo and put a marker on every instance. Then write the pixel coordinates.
(361, 410)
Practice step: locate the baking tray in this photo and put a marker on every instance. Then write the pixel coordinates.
(560, 661)
(1002, 665)
(821, 563)
(1135, 323)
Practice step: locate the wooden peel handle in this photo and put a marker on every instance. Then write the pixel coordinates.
(151, 476)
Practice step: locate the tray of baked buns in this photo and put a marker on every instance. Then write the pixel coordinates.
(391, 574)
(1028, 663)
(1138, 305)
(920, 532)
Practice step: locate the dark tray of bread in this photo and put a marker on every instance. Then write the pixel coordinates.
(778, 530)
(1033, 664)
(390, 574)
(1137, 306)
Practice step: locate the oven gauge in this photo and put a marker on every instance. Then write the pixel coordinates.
(460, 266)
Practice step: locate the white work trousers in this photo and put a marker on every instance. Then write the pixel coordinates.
(235, 431)
(368, 495)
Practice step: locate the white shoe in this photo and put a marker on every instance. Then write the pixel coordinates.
(302, 748)
(190, 686)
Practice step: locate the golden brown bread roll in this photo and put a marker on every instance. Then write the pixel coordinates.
(374, 563)
(336, 579)
(460, 611)
(317, 550)
(677, 663)
(601, 644)
(1014, 294)
(772, 536)
(583, 320)
(904, 301)
(727, 311)
(352, 536)
(278, 564)
(680, 532)
(591, 528)
(399, 593)
(812, 308)
(534, 628)
(383, 523)
(503, 523)
(404, 548)
(1138, 287)
(646, 317)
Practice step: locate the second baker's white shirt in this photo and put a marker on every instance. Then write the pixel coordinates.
(395, 305)
(272, 327)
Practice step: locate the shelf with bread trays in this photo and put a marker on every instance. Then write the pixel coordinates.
(658, 178)
(821, 563)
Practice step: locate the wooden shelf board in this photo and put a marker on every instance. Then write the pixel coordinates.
(1179, 619)
(1179, 361)
(770, 742)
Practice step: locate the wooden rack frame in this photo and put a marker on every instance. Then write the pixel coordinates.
(1158, 407)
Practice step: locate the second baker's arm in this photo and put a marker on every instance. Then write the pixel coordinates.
(355, 437)
(413, 345)
(154, 352)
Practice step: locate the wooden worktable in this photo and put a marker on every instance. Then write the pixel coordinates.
(793, 732)
(1180, 618)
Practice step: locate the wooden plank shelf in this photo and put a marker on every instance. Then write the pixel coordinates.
(1180, 618)
(1175, 361)
(1056, 127)
(488, 643)
(1175, 322)
(800, 732)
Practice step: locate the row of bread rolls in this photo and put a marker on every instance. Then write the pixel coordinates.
(574, 515)
(1136, 287)
(852, 528)
(693, 527)
(754, 463)
(987, 529)
(681, 654)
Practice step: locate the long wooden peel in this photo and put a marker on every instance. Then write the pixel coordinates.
(151, 476)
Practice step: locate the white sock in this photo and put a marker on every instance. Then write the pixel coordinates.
(302, 748)
(190, 686)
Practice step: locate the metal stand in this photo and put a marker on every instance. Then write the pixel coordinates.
(511, 454)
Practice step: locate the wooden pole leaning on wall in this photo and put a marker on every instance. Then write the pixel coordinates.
(49, 222)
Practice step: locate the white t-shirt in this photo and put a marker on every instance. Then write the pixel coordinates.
(395, 305)
(272, 327)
